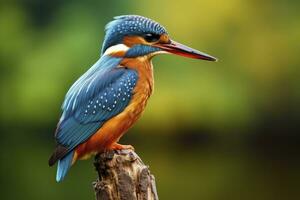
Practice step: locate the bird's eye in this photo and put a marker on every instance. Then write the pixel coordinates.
(150, 37)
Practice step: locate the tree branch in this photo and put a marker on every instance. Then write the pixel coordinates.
(122, 175)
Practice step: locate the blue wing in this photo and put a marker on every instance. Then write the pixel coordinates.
(101, 93)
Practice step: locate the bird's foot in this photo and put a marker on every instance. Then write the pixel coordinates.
(117, 146)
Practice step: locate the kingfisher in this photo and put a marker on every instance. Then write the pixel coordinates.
(111, 96)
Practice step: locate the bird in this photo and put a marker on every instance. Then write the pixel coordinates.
(111, 96)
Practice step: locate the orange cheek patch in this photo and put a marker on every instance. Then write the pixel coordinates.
(164, 38)
(132, 40)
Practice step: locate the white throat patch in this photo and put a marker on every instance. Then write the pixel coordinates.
(115, 49)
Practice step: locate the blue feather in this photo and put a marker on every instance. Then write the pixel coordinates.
(140, 50)
(102, 66)
(63, 166)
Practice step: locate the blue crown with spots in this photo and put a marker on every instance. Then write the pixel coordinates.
(129, 25)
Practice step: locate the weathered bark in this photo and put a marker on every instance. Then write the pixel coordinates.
(123, 176)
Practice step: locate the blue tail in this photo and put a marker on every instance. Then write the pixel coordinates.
(63, 166)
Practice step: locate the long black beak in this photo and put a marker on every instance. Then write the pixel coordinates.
(182, 50)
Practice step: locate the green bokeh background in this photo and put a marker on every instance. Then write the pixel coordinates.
(213, 131)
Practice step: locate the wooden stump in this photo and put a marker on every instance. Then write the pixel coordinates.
(123, 176)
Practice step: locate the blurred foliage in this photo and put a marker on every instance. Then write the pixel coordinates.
(225, 130)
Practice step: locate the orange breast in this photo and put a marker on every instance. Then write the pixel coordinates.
(113, 129)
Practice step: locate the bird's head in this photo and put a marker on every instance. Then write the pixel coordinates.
(133, 36)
